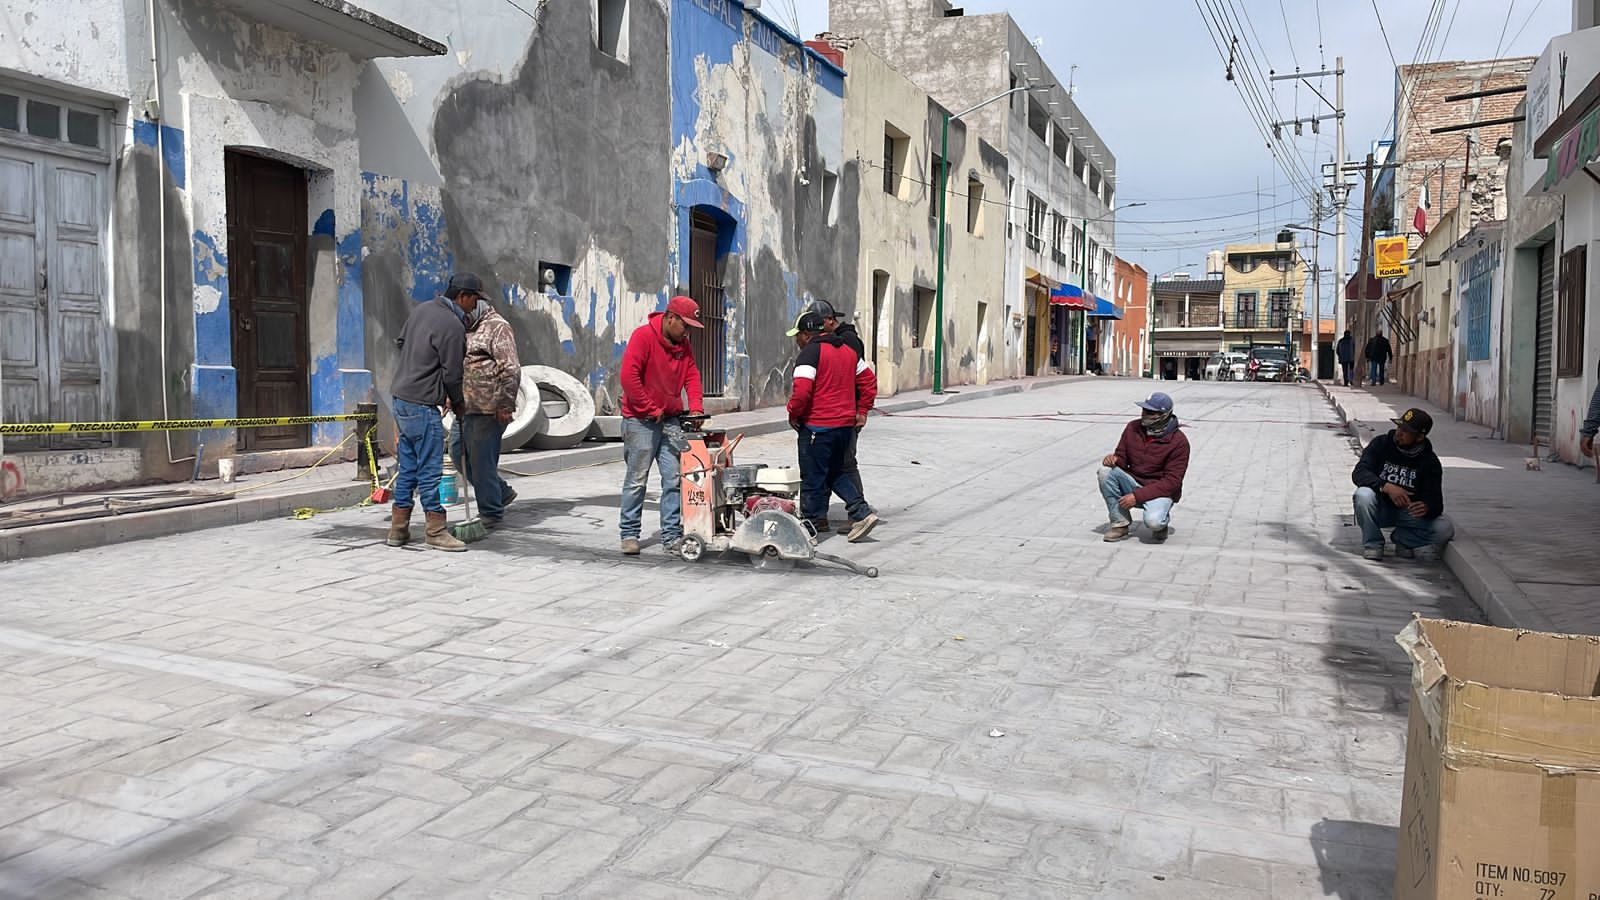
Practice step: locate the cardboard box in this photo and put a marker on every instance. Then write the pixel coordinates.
(1502, 788)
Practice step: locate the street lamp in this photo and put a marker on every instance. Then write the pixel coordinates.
(1150, 317)
(944, 198)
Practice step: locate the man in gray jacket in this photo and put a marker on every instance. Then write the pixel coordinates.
(427, 376)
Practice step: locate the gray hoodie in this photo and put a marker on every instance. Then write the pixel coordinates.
(432, 344)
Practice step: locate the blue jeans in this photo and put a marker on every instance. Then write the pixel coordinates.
(1115, 484)
(822, 453)
(479, 437)
(420, 454)
(1375, 512)
(644, 442)
(1376, 372)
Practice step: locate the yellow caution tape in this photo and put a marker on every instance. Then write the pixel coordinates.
(176, 424)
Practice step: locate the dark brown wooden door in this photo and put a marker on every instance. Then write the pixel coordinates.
(267, 292)
(710, 344)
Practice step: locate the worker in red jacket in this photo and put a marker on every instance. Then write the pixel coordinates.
(833, 392)
(659, 381)
(1146, 470)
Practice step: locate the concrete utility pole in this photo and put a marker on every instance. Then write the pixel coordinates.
(1316, 292)
(1337, 190)
(1366, 249)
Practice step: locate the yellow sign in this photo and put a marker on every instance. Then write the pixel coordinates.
(1390, 256)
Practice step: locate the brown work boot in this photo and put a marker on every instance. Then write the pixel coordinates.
(399, 526)
(439, 536)
(630, 546)
(1116, 533)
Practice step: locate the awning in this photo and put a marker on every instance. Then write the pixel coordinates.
(342, 25)
(1105, 309)
(1072, 297)
(1035, 276)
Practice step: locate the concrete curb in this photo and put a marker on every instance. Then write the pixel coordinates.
(64, 537)
(1490, 587)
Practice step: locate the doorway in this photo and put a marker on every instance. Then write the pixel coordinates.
(710, 344)
(54, 345)
(267, 292)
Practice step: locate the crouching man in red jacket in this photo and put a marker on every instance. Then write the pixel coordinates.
(833, 392)
(1146, 470)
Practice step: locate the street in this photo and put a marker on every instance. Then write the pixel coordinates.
(1013, 709)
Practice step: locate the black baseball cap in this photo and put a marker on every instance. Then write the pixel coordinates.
(464, 283)
(824, 309)
(1415, 420)
(808, 321)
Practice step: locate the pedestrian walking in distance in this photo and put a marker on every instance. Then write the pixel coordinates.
(659, 381)
(831, 324)
(1400, 485)
(427, 376)
(831, 398)
(1378, 352)
(1346, 350)
(492, 377)
(1146, 470)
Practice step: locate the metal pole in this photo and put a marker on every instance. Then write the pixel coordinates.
(1316, 295)
(1340, 200)
(938, 297)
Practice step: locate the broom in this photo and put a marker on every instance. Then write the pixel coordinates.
(472, 529)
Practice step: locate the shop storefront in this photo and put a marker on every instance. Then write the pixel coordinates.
(1069, 308)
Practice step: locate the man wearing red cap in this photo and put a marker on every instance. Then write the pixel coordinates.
(658, 371)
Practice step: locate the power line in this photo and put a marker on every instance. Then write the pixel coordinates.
(1524, 26)
(1287, 36)
(521, 9)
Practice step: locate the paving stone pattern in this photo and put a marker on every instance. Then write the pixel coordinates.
(291, 709)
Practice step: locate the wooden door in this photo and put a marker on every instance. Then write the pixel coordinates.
(54, 347)
(267, 291)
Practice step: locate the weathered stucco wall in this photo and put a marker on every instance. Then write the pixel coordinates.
(774, 108)
(1530, 224)
(1478, 279)
(900, 235)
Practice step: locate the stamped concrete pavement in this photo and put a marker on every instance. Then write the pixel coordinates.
(1014, 709)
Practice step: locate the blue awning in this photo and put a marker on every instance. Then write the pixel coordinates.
(1072, 297)
(1105, 309)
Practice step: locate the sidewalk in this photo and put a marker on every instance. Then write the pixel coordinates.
(1526, 541)
(273, 495)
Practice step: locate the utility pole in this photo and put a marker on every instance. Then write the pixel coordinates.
(1316, 292)
(1337, 190)
(1366, 249)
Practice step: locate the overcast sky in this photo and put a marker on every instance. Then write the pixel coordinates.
(1151, 80)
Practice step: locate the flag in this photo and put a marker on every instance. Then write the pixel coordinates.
(1420, 220)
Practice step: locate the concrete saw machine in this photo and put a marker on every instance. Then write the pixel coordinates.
(751, 508)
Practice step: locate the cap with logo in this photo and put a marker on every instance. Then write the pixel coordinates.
(686, 309)
(808, 321)
(1156, 402)
(463, 283)
(1415, 420)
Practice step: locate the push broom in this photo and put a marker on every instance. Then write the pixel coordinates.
(472, 529)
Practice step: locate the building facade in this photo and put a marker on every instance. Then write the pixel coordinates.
(1061, 182)
(1263, 294)
(1130, 338)
(1186, 316)
(893, 128)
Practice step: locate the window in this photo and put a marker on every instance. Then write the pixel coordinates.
(881, 301)
(1079, 164)
(974, 206)
(1278, 307)
(1059, 144)
(830, 197)
(52, 120)
(1244, 309)
(1036, 211)
(1094, 256)
(10, 112)
(44, 120)
(611, 27)
(1569, 322)
(937, 178)
(896, 144)
(1038, 120)
(1077, 249)
(1281, 262)
(555, 278)
(1094, 181)
(1476, 296)
(922, 324)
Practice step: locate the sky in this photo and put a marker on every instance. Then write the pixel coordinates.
(1152, 81)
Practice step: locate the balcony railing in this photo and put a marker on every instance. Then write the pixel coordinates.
(1260, 320)
(1196, 318)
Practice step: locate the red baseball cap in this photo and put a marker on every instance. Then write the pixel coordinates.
(686, 309)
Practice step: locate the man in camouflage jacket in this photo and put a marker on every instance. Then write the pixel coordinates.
(491, 379)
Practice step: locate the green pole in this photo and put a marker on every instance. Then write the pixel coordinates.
(938, 296)
(1150, 324)
(1078, 332)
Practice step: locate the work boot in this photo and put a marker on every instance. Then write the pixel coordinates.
(399, 526)
(439, 536)
(860, 530)
(1159, 534)
(1116, 533)
(507, 494)
(490, 523)
(630, 546)
(821, 525)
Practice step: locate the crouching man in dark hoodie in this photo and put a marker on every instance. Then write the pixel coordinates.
(1146, 470)
(1400, 485)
